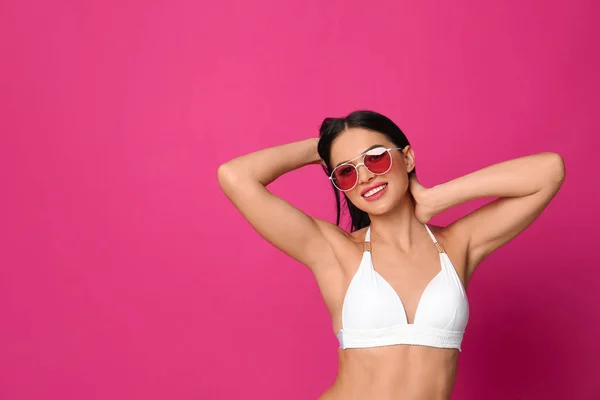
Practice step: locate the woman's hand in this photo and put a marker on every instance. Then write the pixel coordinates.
(316, 158)
(425, 207)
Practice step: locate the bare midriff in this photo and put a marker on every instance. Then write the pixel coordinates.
(401, 372)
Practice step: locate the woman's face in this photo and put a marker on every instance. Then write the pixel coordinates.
(393, 185)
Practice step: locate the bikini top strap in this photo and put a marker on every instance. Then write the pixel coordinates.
(367, 243)
(437, 244)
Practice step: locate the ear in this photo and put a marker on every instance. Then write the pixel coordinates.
(409, 158)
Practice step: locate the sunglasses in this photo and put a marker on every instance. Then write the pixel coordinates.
(377, 161)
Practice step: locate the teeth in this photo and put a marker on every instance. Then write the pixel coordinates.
(373, 191)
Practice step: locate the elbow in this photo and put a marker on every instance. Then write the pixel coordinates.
(226, 175)
(232, 177)
(556, 169)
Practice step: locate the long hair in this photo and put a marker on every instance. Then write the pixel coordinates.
(330, 130)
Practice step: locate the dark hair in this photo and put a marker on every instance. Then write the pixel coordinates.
(330, 130)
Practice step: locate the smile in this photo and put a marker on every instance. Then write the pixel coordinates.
(375, 190)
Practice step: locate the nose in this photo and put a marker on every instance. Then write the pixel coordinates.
(364, 175)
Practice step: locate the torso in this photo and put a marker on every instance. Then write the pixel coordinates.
(401, 371)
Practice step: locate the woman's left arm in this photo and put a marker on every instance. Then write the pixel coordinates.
(524, 186)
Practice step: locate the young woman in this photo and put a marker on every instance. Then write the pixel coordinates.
(394, 285)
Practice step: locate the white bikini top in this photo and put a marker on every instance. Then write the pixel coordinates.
(373, 314)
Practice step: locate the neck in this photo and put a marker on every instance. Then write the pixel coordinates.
(398, 227)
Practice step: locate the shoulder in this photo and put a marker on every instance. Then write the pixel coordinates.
(338, 236)
(340, 242)
(449, 235)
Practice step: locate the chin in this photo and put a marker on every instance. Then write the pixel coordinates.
(379, 209)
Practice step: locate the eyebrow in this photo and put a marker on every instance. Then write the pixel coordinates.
(370, 148)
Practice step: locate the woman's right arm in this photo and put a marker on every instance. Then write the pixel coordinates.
(244, 180)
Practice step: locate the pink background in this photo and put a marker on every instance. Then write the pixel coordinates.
(127, 274)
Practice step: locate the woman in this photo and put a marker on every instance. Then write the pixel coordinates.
(394, 286)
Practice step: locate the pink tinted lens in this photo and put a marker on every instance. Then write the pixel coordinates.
(345, 177)
(378, 164)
